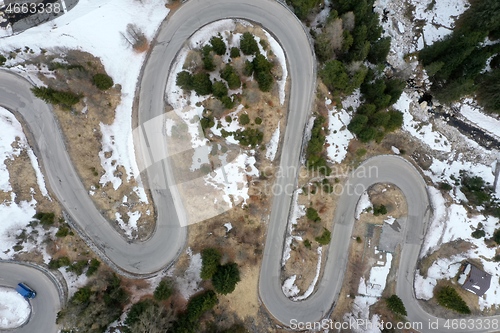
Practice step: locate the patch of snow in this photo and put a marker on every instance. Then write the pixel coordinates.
(472, 113)
(289, 288)
(231, 178)
(436, 224)
(339, 136)
(73, 281)
(377, 281)
(424, 133)
(228, 226)
(14, 309)
(15, 218)
(189, 282)
(390, 220)
(128, 227)
(370, 292)
(280, 55)
(322, 16)
(440, 20)
(298, 211)
(12, 142)
(310, 290)
(272, 146)
(363, 203)
(133, 218)
(440, 269)
(395, 150)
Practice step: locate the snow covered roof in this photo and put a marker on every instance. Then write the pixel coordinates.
(477, 281)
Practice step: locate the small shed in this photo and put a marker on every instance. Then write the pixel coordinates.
(474, 279)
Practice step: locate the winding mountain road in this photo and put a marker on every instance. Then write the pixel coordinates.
(168, 240)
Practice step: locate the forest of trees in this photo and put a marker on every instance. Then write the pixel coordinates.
(456, 65)
(353, 55)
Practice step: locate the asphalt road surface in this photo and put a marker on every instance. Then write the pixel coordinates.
(168, 240)
(44, 306)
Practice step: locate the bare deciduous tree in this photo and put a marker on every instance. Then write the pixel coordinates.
(155, 319)
(135, 37)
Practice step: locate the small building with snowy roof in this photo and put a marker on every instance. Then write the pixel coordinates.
(474, 279)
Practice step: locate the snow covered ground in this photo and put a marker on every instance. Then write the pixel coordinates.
(231, 178)
(439, 17)
(297, 212)
(14, 309)
(363, 204)
(418, 128)
(339, 136)
(291, 290)
(369, 292)
(17, 215)
(450, 224)
(472, 112)
(96, 26)
(272, 146)
(189, 283)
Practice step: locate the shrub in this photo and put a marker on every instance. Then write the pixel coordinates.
(445, 186)
(307, 243)
(379, 210)
(65, 99)
(219, 89)
(449, 298)
(258, 121)
(248, 45)
(325, 238)
(302, 8)
(478, 233)
(496, 236)
(262, 68)
(218, 45)
(210, 260)
(199, 304)
(58, 263)
(312, 214)
(235, 52)
(2, 60)
(202, 84)
(93, 267)
(231, 77)
(379, 50)
(77, 267)
(184, 80)
(207, 122)
(244, 119)
(207, 57)
(249, 137)
(136, 310)
(81, 296)
(46, 219)
(395, 121)
(227, 102)
(102, 81)
(225, 278)
(163, 291)
(395, 304)
(62, 232)
(248, 69)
